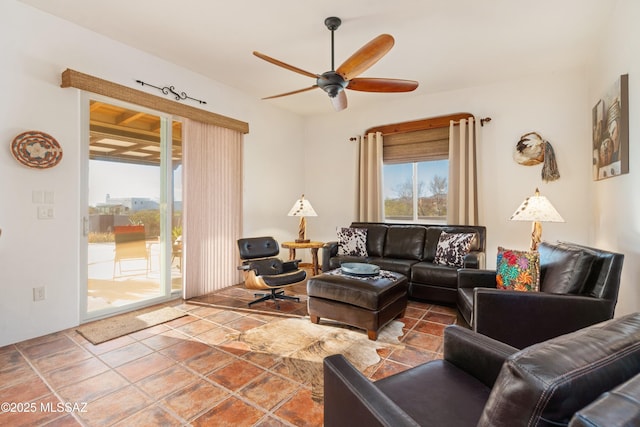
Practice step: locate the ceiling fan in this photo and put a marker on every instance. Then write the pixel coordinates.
(346, 76)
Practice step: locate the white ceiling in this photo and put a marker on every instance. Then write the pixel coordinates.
(443, 44)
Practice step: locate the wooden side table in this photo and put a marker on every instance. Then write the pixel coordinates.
(314, 246)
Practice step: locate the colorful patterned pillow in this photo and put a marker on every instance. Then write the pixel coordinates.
(518, 270)
(352, 241)
(452, 248)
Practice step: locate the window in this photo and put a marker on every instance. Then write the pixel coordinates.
(415, 175)
(416, 191)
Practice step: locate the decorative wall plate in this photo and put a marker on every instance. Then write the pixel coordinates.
(36, 149)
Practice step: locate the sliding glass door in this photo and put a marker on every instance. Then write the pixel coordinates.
(132, 228)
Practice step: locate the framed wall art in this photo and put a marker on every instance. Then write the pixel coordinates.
(611, 131)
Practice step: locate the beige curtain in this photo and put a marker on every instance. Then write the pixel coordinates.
(212, 186)
(462, 201)
(370, 206)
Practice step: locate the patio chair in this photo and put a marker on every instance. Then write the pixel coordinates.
(131, 244)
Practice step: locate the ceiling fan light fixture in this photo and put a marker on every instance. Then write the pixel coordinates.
(332, 83)
(346, 76)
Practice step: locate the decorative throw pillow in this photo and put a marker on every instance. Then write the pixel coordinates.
(452, 248)
(517, 270)
(352, 241)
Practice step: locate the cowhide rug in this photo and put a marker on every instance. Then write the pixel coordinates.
(303, 345)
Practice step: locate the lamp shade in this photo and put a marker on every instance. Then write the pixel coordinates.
(536, 208)
(302, 207)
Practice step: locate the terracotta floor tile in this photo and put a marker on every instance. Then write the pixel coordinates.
(9, 356)
(185, 350)
(412, 356)
(244, 324)
(232, 413)
(429, 327)
(197, 327)
(209, 361)
(203, 311)
(225, 316)
(180, 321)
(216, 336)
(414, 313)
(447, 319)
(64, 421)
(271, 421)
(423, 341)
(125, 354)
(115, 407)
(265, 360)
(45, 345)
(408, 323)
(147, 365)
(444, 309)
(151, 416)
(268, 390)
(109, 345)
(164, 339)
(166, 382)
(149, 332)
(301, 410)
(190, 371)
(235, 375)
(59, 343)
(35, 418)
(194, 399)
(29, 389)
(93, 388)
(387, 368)
(63, 358)
(16, 373)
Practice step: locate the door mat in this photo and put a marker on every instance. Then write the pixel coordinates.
(107, 329)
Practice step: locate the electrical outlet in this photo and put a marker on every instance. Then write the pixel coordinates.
(38, 293)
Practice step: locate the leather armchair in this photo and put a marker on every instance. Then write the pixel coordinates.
(483, 382)
(524, 318)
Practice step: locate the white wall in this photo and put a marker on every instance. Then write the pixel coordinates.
(552, 104)
(616, 225)
(36, 48)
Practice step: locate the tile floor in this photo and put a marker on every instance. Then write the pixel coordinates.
(184, 372)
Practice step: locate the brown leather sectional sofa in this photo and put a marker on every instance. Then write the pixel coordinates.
(410, 250)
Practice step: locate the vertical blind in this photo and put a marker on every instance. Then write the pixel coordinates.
(212, 165)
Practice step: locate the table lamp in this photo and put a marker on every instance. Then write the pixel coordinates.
(538, 209)
(302, 208)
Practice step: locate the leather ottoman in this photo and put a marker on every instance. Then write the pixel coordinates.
(364, 302)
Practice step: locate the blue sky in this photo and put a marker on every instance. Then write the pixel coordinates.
(398, 173)
(127, 180)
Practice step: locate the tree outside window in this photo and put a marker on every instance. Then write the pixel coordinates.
(416, 192)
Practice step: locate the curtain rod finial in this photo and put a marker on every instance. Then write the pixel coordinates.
(485, 120)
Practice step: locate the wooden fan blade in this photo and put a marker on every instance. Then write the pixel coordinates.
(382, 85)
(283, 65)
(339, 101)
(366, 56)
(292, 92)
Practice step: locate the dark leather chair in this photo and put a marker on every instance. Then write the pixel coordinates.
(483, 382)
(263, 271)
(578, 287)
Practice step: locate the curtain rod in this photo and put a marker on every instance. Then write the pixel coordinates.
(422, 124)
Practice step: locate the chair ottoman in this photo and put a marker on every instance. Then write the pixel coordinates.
(364, 302)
